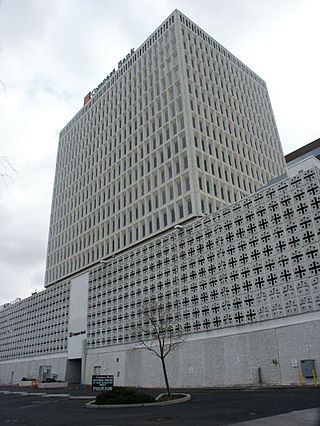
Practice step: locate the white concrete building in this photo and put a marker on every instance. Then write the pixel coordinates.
(182, 133)
(181, 128)
(243, 284)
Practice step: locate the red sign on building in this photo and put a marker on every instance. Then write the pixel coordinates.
(87, 98)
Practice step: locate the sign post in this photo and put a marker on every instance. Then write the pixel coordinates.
(102, 383)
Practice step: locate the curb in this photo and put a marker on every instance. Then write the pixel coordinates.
(57, 395)
(186, 397)
(80, 397)
(47, 395)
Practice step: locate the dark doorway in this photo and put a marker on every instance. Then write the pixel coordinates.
(73, 373)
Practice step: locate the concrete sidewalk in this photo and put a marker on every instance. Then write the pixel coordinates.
(68, 392)
(303, 417)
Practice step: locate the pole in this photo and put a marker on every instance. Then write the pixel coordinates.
(300, 380)
(259, 376)
(314, 377)
(83, 362)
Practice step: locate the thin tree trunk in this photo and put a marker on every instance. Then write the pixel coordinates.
(165, 376)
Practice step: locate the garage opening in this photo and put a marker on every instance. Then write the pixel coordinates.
(73, 373)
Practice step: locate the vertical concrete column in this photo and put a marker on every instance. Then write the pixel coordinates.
(78, 315)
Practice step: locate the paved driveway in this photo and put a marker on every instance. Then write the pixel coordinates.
(212, 407)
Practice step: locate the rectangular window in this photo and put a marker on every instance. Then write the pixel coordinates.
(185, 162)
(165, 219)
(189, 206)
(187, 183)
(171, 192)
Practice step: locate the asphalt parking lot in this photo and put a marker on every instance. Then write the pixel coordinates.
(207, 407)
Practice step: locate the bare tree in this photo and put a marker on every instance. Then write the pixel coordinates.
(4, 166)
(2, 86)
(6, 174)
(159, 333)
(6, 169)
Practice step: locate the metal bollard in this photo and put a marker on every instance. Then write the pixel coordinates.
(260, 377)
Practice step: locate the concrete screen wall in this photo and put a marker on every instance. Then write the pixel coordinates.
(243, 285)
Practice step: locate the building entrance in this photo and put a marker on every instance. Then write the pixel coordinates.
(73, 372)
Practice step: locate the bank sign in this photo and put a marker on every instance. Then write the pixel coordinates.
(77, 333)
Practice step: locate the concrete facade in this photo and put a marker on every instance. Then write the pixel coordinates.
(181, 134)
(243, 285)
(78, 316)
(11, 372)
(254, 261)
(208, 361)
(181, 129)
(37, 325)
(215, 359)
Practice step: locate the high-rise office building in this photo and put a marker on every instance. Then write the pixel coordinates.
(180, 129)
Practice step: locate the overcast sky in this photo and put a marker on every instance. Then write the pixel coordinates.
(53, 52)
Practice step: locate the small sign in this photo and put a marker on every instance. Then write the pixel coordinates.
(102, 382)
(87, 98)
(294, 363)
(77, 333)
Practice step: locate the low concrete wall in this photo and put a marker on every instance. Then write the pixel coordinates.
(11, 372)
(52, 385)
(26, 383)
(228, 357)
(217, 360)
